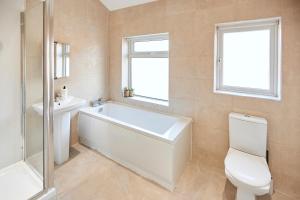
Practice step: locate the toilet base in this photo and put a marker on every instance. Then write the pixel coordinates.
(242, 194)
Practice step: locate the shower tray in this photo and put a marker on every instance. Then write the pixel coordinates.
(19, 182)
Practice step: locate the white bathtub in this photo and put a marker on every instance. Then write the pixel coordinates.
(154, 145)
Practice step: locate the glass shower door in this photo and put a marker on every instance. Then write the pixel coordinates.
(26, 163)
(33, 90)
(18, 179)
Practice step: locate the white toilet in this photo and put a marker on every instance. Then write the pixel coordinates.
(245, 164)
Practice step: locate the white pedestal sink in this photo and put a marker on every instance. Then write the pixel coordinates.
(61, 126)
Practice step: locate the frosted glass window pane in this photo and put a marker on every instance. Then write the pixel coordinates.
(150, 77)
(246, 59)
(161, 45)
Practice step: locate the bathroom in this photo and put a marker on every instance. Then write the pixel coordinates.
(54, 142)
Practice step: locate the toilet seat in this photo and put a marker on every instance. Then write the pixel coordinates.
(252, 171)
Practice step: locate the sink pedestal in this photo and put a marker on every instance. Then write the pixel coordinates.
(61, 125)
(61, 137)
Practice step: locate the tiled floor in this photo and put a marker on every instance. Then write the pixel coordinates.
(91, 176)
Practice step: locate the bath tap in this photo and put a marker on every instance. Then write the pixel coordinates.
(97, 102)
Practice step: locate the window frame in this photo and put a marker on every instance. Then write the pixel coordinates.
(271, 24)
(146, 54)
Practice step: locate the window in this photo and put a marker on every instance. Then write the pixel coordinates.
(148, 66)
(247, 58)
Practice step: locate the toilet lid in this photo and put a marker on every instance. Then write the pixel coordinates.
(249, 169)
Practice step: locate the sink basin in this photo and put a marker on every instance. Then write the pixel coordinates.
(61, 125)
(63, 106)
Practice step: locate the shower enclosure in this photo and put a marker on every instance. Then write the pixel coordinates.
(26, 46)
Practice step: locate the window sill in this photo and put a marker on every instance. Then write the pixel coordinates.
(149, 100)
(272, 98)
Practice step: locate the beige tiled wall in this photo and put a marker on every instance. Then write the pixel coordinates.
(84, 25)
(10, 115)
(191, 27)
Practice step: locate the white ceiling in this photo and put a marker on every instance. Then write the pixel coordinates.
(119, 4)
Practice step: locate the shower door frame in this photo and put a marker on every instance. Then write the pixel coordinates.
(48, 94)
(48, 80)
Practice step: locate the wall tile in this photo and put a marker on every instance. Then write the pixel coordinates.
(84, 24)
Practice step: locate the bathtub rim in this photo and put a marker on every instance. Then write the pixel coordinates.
(180, 124)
